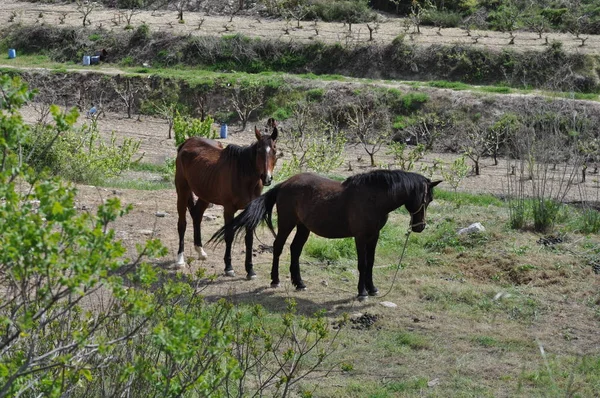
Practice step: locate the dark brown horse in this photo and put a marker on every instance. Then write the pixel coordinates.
(357, 207)
(231, 177)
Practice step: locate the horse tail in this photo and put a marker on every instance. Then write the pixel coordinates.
(260, 209)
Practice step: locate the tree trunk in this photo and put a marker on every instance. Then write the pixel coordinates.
(372, 156)
(476, 167)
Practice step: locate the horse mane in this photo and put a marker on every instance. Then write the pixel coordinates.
(244, 157)
(394, 181)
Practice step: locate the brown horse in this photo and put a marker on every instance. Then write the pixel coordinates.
(231, 177)
(357, 207)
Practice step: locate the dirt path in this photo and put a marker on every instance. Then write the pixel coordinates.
(200, 24)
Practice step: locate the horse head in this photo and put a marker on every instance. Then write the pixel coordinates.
(266, 154)
(418, 208)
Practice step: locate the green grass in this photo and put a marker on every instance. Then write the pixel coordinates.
(330, 250)
(149, 167)
(142, 185)
(496, 89)
(465, 198)
(447, 84)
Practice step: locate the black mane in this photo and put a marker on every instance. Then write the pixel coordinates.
(243, 156)
(394, 181)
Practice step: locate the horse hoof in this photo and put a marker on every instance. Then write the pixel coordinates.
(362, 298)
(374, 292)
(201, 253)
(300, 288)
(275, 285)
(251, 275)
(180, 261)
(229, 272)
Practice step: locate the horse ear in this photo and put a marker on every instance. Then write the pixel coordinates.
(257, 132)
(433, 184)
(274, 133)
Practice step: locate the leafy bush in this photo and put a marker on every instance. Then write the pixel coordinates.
(352, 11)
(545, 212)
(186, 127)
(406, 159)
(589, 221)
(79, 155)
(442, 18)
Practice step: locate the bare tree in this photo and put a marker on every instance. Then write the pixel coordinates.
(128, 93)
(474, 143)
(297, 9)
(369, 121)
(247, 98)
(85, 8)
(233, 7)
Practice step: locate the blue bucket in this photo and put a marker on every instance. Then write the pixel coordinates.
(223, 130)
(12, 53)
(86, 60)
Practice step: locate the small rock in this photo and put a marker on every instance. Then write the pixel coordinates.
(388, 304)
(416, 320)
(324, 283)
(84, 207)
(161, 214)
(146, 231)
(433, 383)
(115, 192)
(473, 228)
(209, 217)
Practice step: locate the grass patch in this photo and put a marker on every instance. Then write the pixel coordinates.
(482, 200)
(412, 340)
(563, 376)
(330, 250)
(149, 167)
(496, 89)
(450, 85)
(142, 185)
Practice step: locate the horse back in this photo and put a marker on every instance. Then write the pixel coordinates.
(202, 165)
(317, 202)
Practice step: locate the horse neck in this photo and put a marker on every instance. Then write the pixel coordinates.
(245, 166)
(390, 200)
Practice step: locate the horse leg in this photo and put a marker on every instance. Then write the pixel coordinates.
(183, 194)
(371, 246)
(250, 274)
(361, 253)
(296, 249)
(283, 231)
(197, 211)
(228, 216)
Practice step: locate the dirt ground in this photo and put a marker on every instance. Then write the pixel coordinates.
(198, 24)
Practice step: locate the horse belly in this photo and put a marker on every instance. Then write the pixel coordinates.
(325, 222)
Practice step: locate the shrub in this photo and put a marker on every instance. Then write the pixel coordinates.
(442, 18)
(589, 221)
(79, 155)
(186, 127)
(352, 11)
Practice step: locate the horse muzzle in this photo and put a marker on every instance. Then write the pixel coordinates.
(418, 227)
(266, 179)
